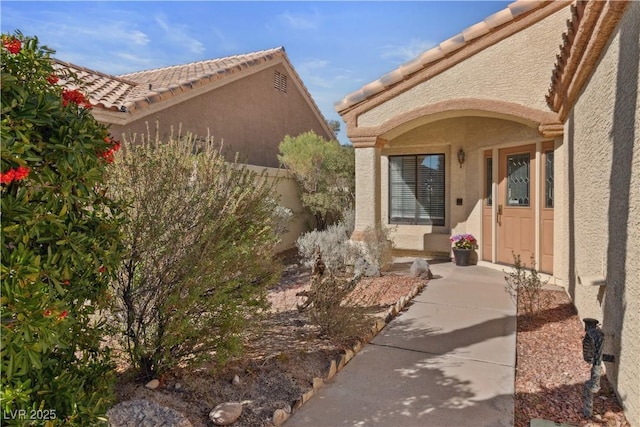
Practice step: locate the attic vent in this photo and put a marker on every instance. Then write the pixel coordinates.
(280, 82)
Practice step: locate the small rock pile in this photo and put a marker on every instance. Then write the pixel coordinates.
(145, 413)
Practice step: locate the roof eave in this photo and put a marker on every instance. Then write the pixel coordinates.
(495, 28)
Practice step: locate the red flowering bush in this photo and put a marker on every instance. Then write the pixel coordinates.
(12, 44)
(60, 243)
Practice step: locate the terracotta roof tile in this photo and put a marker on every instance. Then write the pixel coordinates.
(588, 30)
(437, 53)
(132, 91)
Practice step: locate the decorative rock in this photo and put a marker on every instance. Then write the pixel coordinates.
(306, 396)
(333, 368)
(153, 384)
(380, 324)
(420, 268)
(236, 380)
(226, 413)
(342, 361)
(374, 329)
(297, 404)
(134, 413)
(399, 306)
(317, 383)
(357, 347)
(279, 417)
(348, 355)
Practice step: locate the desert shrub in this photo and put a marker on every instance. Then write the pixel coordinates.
(280, 220)
(60, 244)
(199, 245)
(525, 287)
(332, 243)
(338, 252)
(333, 305)
(325, 172)
(375, 246)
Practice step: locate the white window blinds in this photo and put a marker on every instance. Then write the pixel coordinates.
(417, 189)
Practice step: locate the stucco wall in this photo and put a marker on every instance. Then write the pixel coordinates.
(473, 135)
(289, 193)
(602, 148)
(516, 70)
(249, 115)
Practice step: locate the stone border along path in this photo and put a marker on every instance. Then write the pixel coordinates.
(142, 412)
(280, 416)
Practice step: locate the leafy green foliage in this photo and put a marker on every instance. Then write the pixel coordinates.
(199, 239)
(60, 243)
(325, 171)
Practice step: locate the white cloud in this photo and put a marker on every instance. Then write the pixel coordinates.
(301, 21)
(139, 38)
(177, 35)
(223, 42)
(406, 52)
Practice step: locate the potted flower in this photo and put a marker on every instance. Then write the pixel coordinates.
(463, 244)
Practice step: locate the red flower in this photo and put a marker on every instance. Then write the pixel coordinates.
(109, 154)
(53, 79)
(63, 315)
(12, 44)
(102, 269)
(74, 96)
(18, 174)
(7, 177)
(47, 313)
(21, 173)
(66, 283)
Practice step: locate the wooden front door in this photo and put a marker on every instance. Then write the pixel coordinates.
(516, 202)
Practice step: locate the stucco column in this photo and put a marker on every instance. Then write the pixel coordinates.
(367, 151)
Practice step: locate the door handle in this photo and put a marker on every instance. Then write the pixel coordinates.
(499, 215)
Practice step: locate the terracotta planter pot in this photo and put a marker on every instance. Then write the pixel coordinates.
(461, 256)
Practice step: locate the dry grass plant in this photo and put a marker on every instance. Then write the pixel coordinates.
(525, 284)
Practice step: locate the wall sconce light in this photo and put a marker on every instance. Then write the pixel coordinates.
(461, 156)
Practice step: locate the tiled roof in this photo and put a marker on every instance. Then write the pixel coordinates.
(588, 30)
(444, 49)
(129, 92)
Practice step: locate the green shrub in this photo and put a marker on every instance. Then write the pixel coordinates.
(60, 244)
(199, 240)
(325, 172)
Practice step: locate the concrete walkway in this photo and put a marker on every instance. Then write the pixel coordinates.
(447, 360)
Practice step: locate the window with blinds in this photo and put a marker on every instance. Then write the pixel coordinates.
(417, 189)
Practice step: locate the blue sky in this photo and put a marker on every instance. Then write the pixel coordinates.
(336, 47)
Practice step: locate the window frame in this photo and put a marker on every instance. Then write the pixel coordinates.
(440, 222)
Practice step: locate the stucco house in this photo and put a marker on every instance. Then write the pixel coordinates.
(523, 131)
(249, 102)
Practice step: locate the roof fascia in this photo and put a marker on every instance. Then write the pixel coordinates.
(307, 96)
(124, 118)
(588, 33)
(457, 56)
